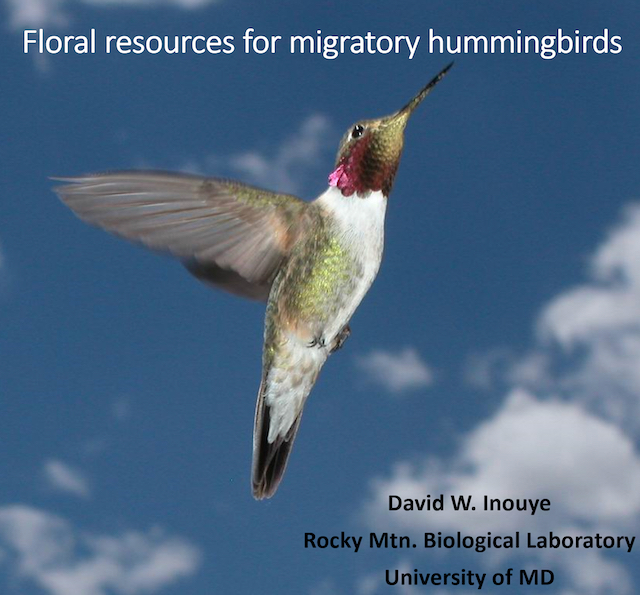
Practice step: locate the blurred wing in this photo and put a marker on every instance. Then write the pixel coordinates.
(226, 233)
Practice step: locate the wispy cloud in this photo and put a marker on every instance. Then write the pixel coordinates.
(597, 325)
(396, 372)
(64, 478)
(58, 13)
(121, 409)
(47, 550)
(503, 367)
(566, 429)
(284, 168)
(368, 584)
(36, 13)
(609, 303)
(587, 338)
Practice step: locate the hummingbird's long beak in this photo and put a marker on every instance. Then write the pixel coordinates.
(407, 110)
(384, 142)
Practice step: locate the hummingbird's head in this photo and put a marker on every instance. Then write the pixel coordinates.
(370, 151)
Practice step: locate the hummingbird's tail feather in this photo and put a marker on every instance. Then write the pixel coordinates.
(286, 383)
(269, 458)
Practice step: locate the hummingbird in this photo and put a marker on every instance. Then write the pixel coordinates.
(312, 262)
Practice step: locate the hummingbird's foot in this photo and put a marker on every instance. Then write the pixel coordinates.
(316, 342)
(341, 337)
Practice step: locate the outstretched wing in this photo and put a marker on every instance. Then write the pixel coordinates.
(226, 233)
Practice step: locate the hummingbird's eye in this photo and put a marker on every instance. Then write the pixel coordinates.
(357, 131)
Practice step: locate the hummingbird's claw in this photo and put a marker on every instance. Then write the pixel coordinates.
(316, 341)
(341, 337)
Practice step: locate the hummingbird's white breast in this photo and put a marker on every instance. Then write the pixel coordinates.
(359, 225)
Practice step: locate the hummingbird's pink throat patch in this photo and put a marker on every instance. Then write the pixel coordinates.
(348, 184)
(338, 177)
(349, 179)
(363, 169)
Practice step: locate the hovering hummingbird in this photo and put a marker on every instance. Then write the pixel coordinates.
(312, 262)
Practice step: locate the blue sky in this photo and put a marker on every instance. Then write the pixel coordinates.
(497, 353)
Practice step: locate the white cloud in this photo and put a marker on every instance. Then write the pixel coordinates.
(529, 449)
(183, 4)
(597, 325)
(587, 344)
(47, 550)
(285, 168)
(36, 13)
(585, 465)
(610, 302)
(591, 572)
(396, 372)
(481, 368)
(368, 584)
(56, 13)
(565, 431)
(64, 478)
